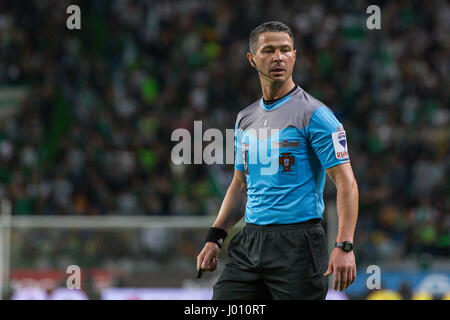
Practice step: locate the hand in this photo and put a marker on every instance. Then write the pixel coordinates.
(208, 258)
(344, 267)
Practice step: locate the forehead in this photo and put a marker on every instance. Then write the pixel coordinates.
(275, 39)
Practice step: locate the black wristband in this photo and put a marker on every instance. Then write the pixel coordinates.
(216, 235)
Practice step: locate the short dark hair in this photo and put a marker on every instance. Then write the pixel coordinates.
(269, 26)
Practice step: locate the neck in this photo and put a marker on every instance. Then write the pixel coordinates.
(273, 90)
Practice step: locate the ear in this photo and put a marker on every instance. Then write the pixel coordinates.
(251, 59)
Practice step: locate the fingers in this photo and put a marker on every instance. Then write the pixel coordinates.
(210, 265)
(206, 261)
(344, 277)
(329, 270)
(200, 260)
(213, 264)
(354, 273)
(343, 282)
(349, 278)
(337, 276)
(336, 280)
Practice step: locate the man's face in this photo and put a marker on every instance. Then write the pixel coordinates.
(275, 55)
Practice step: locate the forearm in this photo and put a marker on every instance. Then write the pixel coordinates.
(347, 209)
(231, 209)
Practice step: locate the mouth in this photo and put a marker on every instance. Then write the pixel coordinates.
(277, 70)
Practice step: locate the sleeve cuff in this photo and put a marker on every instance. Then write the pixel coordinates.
(333, 164)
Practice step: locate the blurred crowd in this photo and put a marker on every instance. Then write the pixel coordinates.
(93, 134)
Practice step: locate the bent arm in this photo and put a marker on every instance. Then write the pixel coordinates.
(230, 212)
(347, 200)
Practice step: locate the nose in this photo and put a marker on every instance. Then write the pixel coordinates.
(277, 56)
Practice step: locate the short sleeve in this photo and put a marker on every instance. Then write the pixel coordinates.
(238, 161)
(327, 138)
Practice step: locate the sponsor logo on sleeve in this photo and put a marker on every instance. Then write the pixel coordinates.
(340, 145)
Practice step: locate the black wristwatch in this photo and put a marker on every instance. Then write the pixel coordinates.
(347, 246)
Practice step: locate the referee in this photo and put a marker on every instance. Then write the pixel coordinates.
(281, 253)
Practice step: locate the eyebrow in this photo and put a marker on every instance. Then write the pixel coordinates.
(272, 46)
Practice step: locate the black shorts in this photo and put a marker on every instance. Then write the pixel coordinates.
(275, 262)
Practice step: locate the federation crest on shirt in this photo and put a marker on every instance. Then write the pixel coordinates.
(286, 160)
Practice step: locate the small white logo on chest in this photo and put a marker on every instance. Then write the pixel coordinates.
(265, 122)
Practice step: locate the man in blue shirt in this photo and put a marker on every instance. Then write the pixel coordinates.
(285, 144)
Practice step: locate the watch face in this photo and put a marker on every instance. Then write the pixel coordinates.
(347, 246)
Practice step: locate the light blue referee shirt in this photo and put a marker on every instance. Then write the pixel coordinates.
(284, 149)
